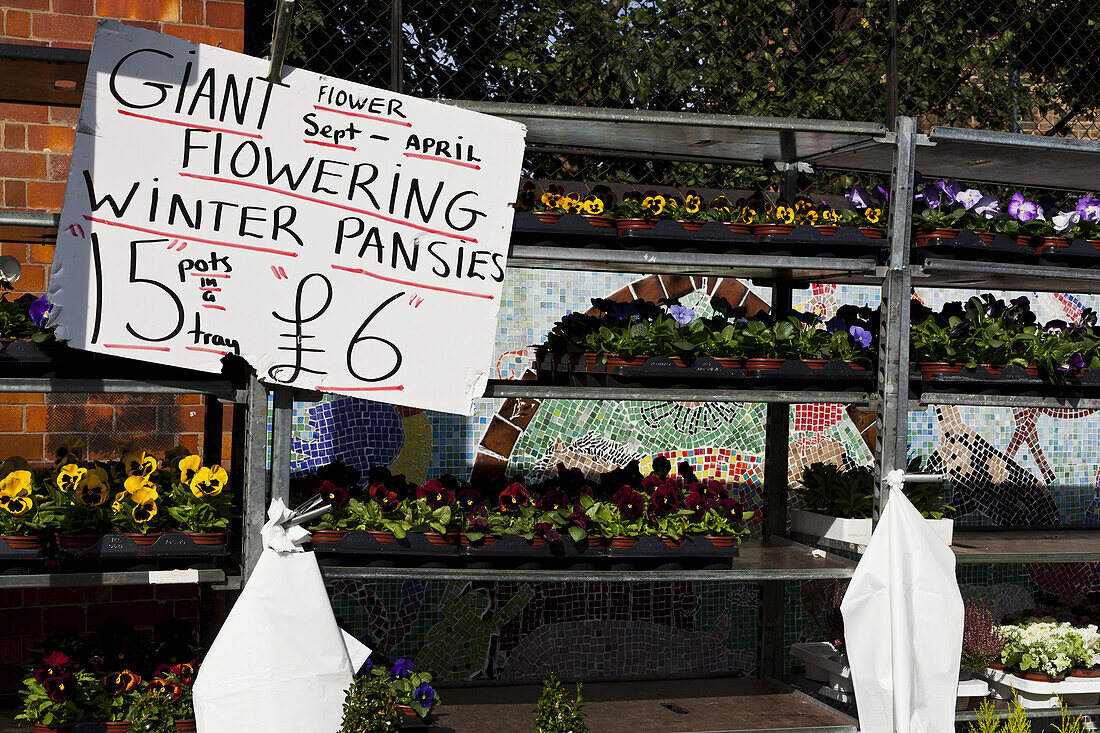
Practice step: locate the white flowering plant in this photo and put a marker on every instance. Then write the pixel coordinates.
(1047, 647)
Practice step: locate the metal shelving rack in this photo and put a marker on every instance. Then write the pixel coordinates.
(966, 154)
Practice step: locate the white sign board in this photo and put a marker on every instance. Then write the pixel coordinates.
(338, 237)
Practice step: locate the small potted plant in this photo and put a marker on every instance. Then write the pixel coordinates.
(78, 504)
(24, 318)
(636, 211)
(118, 693)
(19, 507)
(412, 690)
(370, 706)
(57, 695)
(556, 712)
(183, 708)
(200, 501)
(431, 514)
(712, 513)
(153, 711)
(136, 511)
(622, 520)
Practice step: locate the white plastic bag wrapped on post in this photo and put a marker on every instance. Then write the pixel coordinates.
(903, 625)
(280, 662)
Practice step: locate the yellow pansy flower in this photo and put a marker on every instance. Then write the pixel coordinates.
(136, 483)
(189, 466)
(145, 494)
(692, 204)
(15, 492)
(785, 214)
(872, 215)
(593, 206)
(139, 463)
(69, 476)
(655, 204)
(209, 481)
(142, 513)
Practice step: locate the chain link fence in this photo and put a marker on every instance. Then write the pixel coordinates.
(1016, 65)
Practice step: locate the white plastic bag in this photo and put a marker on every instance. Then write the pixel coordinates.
(280, 662)
(903, 623)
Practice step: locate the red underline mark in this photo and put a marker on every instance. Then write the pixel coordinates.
(363, 116)
(397, 388)
(412, 284)
(211, 274)
(333, 204)
(136, 346)
(215, 307)
(462, 163)
(330, 145)
(193, 239)
(211, 351)
(192, 125)
(211, 290)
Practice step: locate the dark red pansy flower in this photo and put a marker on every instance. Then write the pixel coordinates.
(553, 500)
(731, 509)
(546, 530)
(61, 687)
(435, 494)
(629, 502)
(716, 491)
(666, 499)
(468, 499)
(697, 504)
(384, 498)
(514, 498)
(651, 482)
(477, 524)
(335, 495)
(578, 518)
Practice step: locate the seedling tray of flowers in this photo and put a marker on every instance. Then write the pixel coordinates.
(842, 241)
(970, 245)
(593, 370)
(1017, 378)
(568, 230)
(674, 235)
(651, 546)
(22, 556)
(168, 548)
(380, 543)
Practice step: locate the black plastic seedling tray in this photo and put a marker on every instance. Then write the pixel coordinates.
(1011, 380)
(808, 241)
(968, 245)
(171, 550)
(20, 561)
(363, 543)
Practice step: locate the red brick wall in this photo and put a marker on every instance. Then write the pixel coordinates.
(35, 145)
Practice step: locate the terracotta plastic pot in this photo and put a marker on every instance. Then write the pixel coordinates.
(74, 541)
(671, 542)
(731, 363)
(986, 236)
(939, 234)
(39, 728)
(928, 368)
(762, 230)
(826, 229)
(815, 364)
(1087, 673)
(483, 542)
(993, 369)
(1042, 242)
(434, 538)
(537, 542)
(747, 229)
(723, 542)
(622, 542)
(120, 726)
(383, 537)
(1038, 676)
(1094, 242)
(23, 542)
(548, 217)
(873, 232)
(187, 724)
(691, 226)
(626, 224)
(407, 711)
(600, 222)
(858, 366)
(208, 539)
(756, 364)
(144, 540)
(1032, 371)
(327, 536)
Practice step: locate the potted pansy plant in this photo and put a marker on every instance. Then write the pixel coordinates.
(24, 318)
(118, 693)
(57, 694)
(199, 500)
(711, 512)
(136, 511)
(412, 690)
(20, 523)
(79, 505)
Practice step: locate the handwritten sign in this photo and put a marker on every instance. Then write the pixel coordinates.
(336, 236)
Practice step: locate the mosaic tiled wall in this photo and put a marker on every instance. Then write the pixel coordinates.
(1007, 467)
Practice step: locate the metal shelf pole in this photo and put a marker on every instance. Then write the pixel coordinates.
(255, 486)
(772, 617)
(893, 369)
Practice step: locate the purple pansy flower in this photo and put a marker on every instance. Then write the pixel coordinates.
(950, 187)
(368, 664)
(1075, 363)
(968, 198)
(424, 695)
(862, 335)
(988, 206)
(40, 311)
(682, 314)
(931, 196)
(858, 197)
(401, 668)
(881, 193)
(1088, 208)
(1023, 210)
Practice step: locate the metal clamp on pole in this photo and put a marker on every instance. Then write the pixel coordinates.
(280, 37)
(924, 478)
(312, 508)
